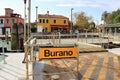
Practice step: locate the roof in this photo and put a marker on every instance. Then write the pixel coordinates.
(51, 16)
(8, 9)
(5, 17)
(10, 17)
(113, 25)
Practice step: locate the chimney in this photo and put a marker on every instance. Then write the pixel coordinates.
(24, 1)
(47, 12)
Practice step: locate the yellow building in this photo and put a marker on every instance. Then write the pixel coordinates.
(53, 23)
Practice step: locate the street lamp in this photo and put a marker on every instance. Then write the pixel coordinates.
(29, 18)
(71, 20)
(25, 20)
(36, 14)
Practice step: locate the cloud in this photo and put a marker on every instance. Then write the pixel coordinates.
(69, 5)
(48, 0)
(86, 3)
(77, 5)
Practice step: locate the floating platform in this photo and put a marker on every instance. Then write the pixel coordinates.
(92, 66)
(87, 47)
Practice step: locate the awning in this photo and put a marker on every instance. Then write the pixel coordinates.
(60, 26)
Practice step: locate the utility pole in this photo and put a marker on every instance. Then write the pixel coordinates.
(25, 20)
(36, 15)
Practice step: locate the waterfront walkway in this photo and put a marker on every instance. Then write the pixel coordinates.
(92, 66)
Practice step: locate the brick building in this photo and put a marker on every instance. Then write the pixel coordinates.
(7, 21)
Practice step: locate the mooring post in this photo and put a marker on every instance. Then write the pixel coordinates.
(3, 50)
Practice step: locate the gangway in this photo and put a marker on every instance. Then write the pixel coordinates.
(33, 55)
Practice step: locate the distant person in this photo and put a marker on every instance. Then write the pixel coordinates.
(76, 32)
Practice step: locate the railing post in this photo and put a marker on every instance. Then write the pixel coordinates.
(59, 38)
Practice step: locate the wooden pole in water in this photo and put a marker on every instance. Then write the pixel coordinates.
(59, 38)
(86, 35)
(3, 50)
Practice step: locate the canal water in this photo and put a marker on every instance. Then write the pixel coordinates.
(115, 51)
(5, 44)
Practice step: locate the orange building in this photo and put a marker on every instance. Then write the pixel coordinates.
(7, 21)
(53, 23)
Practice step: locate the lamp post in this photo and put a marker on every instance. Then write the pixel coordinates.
(25, 20)
(29, 18)
(71, 21)
(36, 15)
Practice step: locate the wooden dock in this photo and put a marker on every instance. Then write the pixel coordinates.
(92, 66)
(86, 47)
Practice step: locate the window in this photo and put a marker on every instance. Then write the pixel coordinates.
(13, 21)
(7, 21)
(64, 21)
(43, 20)
(54, 21)
(47, 21)
(1, 21)
(7, 13)
(40, 21)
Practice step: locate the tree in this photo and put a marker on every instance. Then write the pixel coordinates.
(112, 17)
(92, 27)
(117, 19)
(104, 16)
(82, 20)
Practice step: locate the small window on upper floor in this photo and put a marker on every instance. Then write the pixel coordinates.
(7, 13)
(7, 21)
(64, 21)
(47, 21)
(13, 21)
(43, 20)
(1, 21)
(40, 21)
(54, 21)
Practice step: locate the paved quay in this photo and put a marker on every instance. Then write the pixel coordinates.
(92, 66)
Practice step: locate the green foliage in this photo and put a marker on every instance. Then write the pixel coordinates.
(112, 17)
(117, 19)
(82, 20)
(75, 26)
(104, 15)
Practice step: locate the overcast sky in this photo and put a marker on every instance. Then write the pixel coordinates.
(93, 8)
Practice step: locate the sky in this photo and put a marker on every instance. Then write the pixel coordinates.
(93, 8)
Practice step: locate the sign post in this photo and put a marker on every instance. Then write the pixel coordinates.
(57, 52)
(60, 53)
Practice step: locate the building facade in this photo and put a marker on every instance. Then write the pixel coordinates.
(53, 23)
(111, 28)
(7, 21)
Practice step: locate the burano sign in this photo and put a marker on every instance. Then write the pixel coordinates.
(58, 52)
